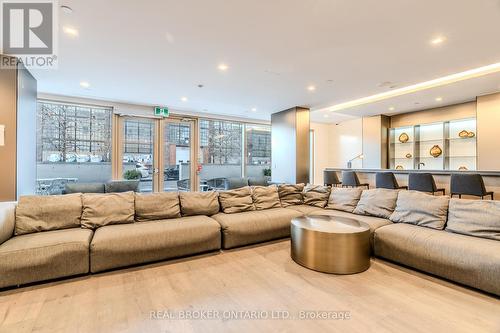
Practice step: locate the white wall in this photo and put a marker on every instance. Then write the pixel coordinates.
(335, 145)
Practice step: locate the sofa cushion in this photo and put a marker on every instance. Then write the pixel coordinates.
(253, 227)
(199, 203)
(469, 260)
(291, 194)
(421, 209)
(373, 222)
(129, 244)
(378, 202)
(305, 209)
(345, 199)
(7, 220)
(479, 218)
(265, 197)
(236, 201)
(36, 213)
(157, 206)
(44, 255)
(316, 195)
(105, 209)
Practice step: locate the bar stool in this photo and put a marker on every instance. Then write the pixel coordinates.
(423, 182)
(468, 184)
(330, 178)
(350, 179)
(387, 180)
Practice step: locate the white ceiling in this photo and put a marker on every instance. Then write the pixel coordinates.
(154, 52)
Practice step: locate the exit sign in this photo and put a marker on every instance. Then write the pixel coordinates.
(162, 111)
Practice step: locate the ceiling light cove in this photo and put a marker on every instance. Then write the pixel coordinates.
(311, 88)
(223, 67)
(85, 84)
(438, 40)
(439, 82)
(70, 31)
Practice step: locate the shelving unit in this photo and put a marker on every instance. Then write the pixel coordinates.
(457, 152)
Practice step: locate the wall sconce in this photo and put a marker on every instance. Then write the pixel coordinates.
(349, 164)
(2, 135)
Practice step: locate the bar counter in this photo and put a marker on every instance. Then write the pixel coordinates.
(442, 177)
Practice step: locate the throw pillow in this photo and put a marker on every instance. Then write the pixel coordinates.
(421, 209)
(106, 209)
(291, 194)
(345, 199)
(378, 202)
(236, 201)
(316, 195)
(265, 197)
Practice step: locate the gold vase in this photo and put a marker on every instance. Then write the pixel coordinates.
(463, 134)
(436, 151)
(409, 155)
(403, 138)
(399, 167)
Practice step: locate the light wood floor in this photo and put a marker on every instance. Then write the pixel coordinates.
(386, 298)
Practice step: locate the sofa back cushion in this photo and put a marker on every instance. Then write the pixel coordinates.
(316, 195)
(157, 206)
(291, 194)
(106, 209)
(199, 203)
(7, 220)
(479, 218)
(345, 199)
(36, 213)
(421, 209)
(236, 201)
(265, 197)
(377, 202)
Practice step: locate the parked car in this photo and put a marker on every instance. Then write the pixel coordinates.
(142, 169)
(172, 173)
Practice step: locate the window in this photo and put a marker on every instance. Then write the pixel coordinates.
(258, 150)
(73, 145)
(220, 151)
(138, 147)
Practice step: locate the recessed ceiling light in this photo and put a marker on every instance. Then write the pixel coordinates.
(439, 99)
(223, 67)
(254, 110)
(85, 84)
(326, 116)
(438, 40)
(392, 108)
(70, 31)
(311, 88)
(439, 82)
(67, 9)
(184, 99)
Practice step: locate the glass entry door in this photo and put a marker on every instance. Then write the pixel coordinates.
(138, 152)
(177, 155)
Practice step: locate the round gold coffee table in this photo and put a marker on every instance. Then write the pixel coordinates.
(331, 244)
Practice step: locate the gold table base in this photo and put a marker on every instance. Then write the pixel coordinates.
(331, 244)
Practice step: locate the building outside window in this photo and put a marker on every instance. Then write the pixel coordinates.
(73, 145)
(258, 150)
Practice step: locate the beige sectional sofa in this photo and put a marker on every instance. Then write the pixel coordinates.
(43, 238)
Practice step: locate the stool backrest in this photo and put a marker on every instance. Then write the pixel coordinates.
(471, 184)
(350, 178)
(423, 182)
(386, 180)
(330, 177)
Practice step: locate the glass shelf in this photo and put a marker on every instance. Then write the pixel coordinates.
(461, 139)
